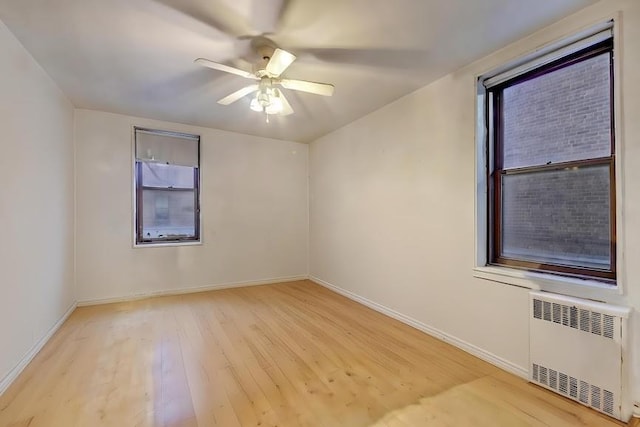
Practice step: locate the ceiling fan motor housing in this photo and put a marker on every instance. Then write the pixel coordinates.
(265, 52)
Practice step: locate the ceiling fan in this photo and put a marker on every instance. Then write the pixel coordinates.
(267, 73)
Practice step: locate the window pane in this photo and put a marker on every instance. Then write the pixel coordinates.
(560, 116)
(161, 175)
(558, 217)
(168, 214)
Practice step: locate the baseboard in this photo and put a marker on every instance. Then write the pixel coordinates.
(463, 345)
(168, 292)
(27, 358)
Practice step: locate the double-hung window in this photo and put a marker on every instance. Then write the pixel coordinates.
(167, 176)
(551, 162)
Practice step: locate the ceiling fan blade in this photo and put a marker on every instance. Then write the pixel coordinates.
(266, 17)
(323, 89)
(286, 107)
(212, 13)
(282, 13)
(238, 94)
(226, 68)
(280, 61)
(370, 57)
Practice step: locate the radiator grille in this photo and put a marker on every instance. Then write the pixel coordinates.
(573, 387)
(564, 384)
(585, 320)
(595, 397)
(574, 317)
(608, 326)
(582, 319)
(596, 323)
(588, 394)
(553, 379)
(583, 396)
(547, 310)
(607, 402)
(556, 313)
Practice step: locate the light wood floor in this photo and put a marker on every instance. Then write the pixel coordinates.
(282, 355)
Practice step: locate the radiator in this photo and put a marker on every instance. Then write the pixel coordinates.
(577, 349)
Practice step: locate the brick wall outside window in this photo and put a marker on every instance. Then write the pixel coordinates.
(560, 116)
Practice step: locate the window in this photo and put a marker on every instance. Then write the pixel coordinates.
(167, 187)
(551, 174)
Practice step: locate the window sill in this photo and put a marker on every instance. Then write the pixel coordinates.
(572, 286)
(165, 244)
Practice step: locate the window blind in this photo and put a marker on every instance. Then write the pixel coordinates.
(550, 54)
(167, 148)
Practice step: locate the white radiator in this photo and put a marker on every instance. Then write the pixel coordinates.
(577, 349)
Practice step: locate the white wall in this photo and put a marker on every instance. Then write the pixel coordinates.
(392, 203)
(253, 201)
(36, 204)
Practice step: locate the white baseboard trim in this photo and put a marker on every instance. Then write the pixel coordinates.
(27, 358)
(461, 344)
(168, 292)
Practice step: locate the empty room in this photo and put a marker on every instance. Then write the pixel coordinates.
(361, 213)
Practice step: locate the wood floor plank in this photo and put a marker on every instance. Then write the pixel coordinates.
(286, 355)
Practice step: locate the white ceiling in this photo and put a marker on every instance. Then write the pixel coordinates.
(136, 57)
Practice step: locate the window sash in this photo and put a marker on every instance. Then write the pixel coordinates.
(496, 239)
(139, 217)
(572, 55)
(162, 225)
(149, 187)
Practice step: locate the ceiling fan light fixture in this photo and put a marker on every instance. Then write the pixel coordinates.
(267, 100)
(275, 106)
(255, 105)
(261, 101)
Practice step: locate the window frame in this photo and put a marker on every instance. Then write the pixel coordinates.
(139, 187)
(495, 170)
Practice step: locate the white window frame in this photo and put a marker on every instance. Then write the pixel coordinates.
(584, 288)
(134, 212)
